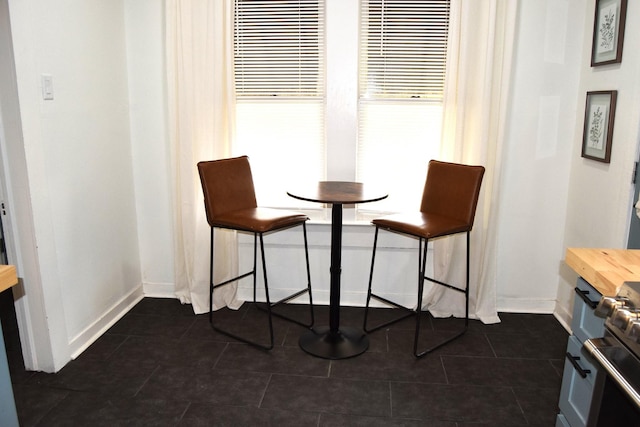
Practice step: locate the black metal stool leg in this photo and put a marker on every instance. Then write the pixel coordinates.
(255, 257)
(211, 245)
(466, 319)
(297, 294)
(370, 295)
(422, 262)
(373, 259)
(466, 289)
(213, 286)
(266, 292)
(306, 257)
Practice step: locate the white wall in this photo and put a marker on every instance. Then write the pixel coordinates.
(144, 21)
(78, 160)
(600, 195)
(537, 159)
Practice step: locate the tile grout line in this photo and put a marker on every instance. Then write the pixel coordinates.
(264, 392)
(446, 377)
(147, 380)
(493, 350)
(390, 400)
(524, 415)
(50, 410)
(186, 332)
(189, 403)
(226, 347)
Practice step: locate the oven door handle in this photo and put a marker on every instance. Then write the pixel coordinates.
(593, 347)
(574, 361)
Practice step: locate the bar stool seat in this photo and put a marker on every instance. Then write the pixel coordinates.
(259, 220)
(421, 224)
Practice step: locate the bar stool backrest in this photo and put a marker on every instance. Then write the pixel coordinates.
(227, 185)
(452, 191)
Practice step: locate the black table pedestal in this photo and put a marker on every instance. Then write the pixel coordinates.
(335, 342)
(346, 342)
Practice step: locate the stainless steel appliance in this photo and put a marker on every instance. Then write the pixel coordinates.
(616, 397)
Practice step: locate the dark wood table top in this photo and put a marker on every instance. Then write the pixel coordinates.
(338, 192)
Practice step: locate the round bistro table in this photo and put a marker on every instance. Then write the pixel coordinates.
(335, 341)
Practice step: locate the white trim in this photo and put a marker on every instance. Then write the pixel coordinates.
(564, 316)
(525, 305)
(159, 290)
(89, 335)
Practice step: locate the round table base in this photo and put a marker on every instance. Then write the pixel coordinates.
(345, 343)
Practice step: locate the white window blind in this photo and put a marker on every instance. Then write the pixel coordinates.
(278, 48)
(402, 66)
(279, 83)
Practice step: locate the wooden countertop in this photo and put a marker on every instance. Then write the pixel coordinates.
(8, 277)
(605, 269)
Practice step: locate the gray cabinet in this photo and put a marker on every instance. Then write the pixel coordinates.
(579, 369)
(8, 413)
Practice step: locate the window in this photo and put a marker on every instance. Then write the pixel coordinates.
(279, 82)
(403, 46)
(347, 91)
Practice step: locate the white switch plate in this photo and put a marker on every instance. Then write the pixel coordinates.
(47, 87)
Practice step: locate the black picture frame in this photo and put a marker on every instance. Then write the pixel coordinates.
(599, 117)
(608, 32)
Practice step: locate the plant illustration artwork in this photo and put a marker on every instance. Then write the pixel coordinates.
(599, 116)
(608, 32)
(596, 127)
(607, 29)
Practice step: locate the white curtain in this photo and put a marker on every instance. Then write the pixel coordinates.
(476, 105)
(200, 93)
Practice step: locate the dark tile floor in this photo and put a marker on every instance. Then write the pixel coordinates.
(162, 365)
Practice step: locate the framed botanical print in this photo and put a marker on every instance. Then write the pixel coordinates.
(599, 117)
(608, 32)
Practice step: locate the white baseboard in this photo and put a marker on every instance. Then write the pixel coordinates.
(564, 317)
(525, 305)
(357, 299)
(159, 290)
(89, 335)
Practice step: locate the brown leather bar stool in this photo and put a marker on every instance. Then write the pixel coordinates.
(448, 207)
(230, 202)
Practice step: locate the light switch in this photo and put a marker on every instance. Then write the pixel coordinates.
(47, 87)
